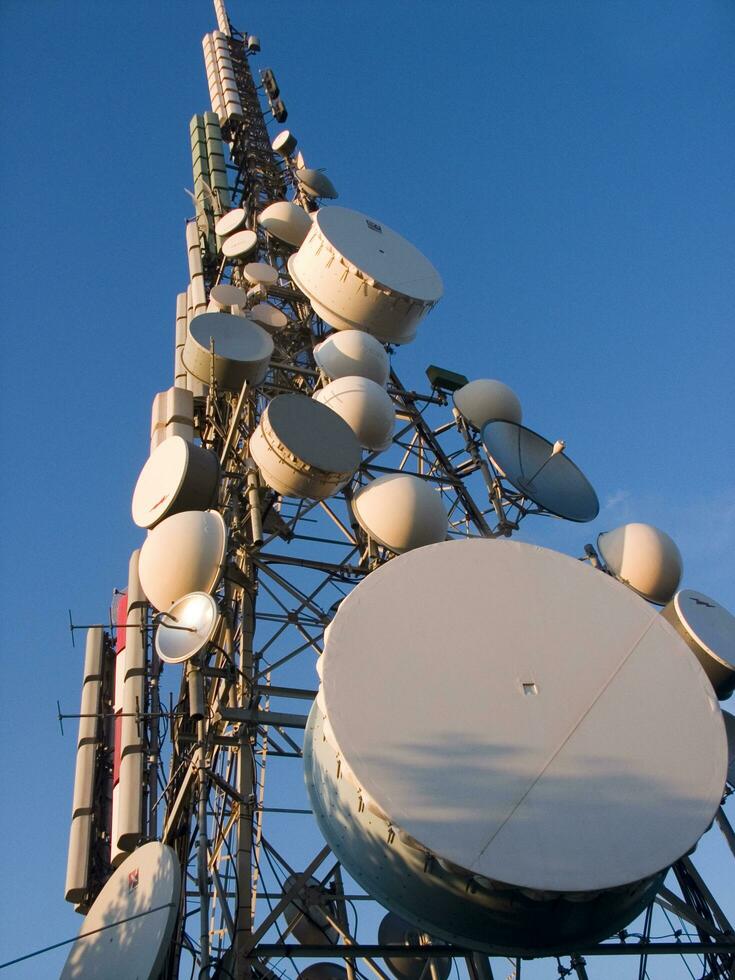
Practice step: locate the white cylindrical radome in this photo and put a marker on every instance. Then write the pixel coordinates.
(177, 476)
(303, 449)
(361, 275)
(285, 221)
(708, 629)
(522, 761)
(353, 352)
(242, 350)
(365, 406)
(484, 399)
(182, 554)
(401, 512)
(284, 143)
(644, 558)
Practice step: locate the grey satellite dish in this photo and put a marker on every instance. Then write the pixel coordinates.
(230, 222)
(306, 914)
(226, 295)
(316, 183)
(240, 244)
(323, 971)
(359, 274)
(145, 890)
(395, 931)
(644, 558)
(487, 767)
(540, 471)
(730, 733)
(708, 629)
(186, 627)
(177, 476)
(242, 350)
(303, 448)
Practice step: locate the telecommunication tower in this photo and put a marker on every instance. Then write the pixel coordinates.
(329, 590)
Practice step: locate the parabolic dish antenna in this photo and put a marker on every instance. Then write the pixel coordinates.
(304, 449)
(306, 914)
(178, 475)
(226, 295)
(144, 890)
(268, 317)
(708, 629)
(286, 221)
(260, 274)
(316, 183)
(548, 478)
(353, 352)
(484, 399)
(182, 554)
(401, 512)
(395, 931)
(365, 406)
(186, 627)
(240, 244)
(359, 274)
(230, 222)
(284, 143)
(541, 756)
(242, 350)
(644, 558)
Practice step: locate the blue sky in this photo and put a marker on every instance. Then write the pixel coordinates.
(567, 166)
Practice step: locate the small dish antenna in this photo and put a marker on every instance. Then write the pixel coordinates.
(268, 317)
(226, 295)
(286, 221)
(708, 629)
(186, 627)
(485, 399)
(395, 931)
(284, 143)
(353, 352)
(177, 476)
(644, 558)
(230, 222)
(260, 274)
(540, 470)
(316, 183)
(306, 914)
(401, 512)
(242, 350)
(365, 406)
(240, 244)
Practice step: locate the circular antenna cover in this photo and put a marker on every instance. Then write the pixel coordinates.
(548, 478)
(484, 399)
(401, 512)
(395, 931)
(286, 221)
(260, 274)
(240, 244)
(230, 222)
(304, 449)
(145, 891)
(644, 558)
(708, 629)
(353, 352)
(186, 628)
(242, 350)
(177, 476)
(268, 317)
(365, 406)
(284, 143)
(182, 554)
(225, 295)
(316, 183)
(543, 727)
(306, 914)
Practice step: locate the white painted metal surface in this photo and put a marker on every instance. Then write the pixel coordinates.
(142, 895)
(360, 274)
(353, 352)
(644, 558)
(316, 183)
(708, 629)
(186, 627)
(401, 512)
(240, 244)
(365, 406)
(178, 475)
(260, 274)
(284, 143)
(242, 349)
(529, 749)
(225, 295)
(485, 399)
(268, 317)
(285, 221)
(303, 449)
(182, 554)
(230, 222)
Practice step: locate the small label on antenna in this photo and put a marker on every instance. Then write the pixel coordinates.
(373, 225)
(133, 879)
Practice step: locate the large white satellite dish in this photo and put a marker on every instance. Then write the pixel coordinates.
(142, 895)
(316, 183)
(226, 295)
(539, 471)
(401, 512)
(303, 449)
(353, 352)
(182, 554)
(285, 221)
(260, 274)
(306, 914)
(395, 931)
(365, 406)
(532, 751)
(178, 475)
(643, 557)
(708, 629)
(484, 399)
(240, 244)
(359, 274)
(230, 222)
(242, 350)
(186, 627)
